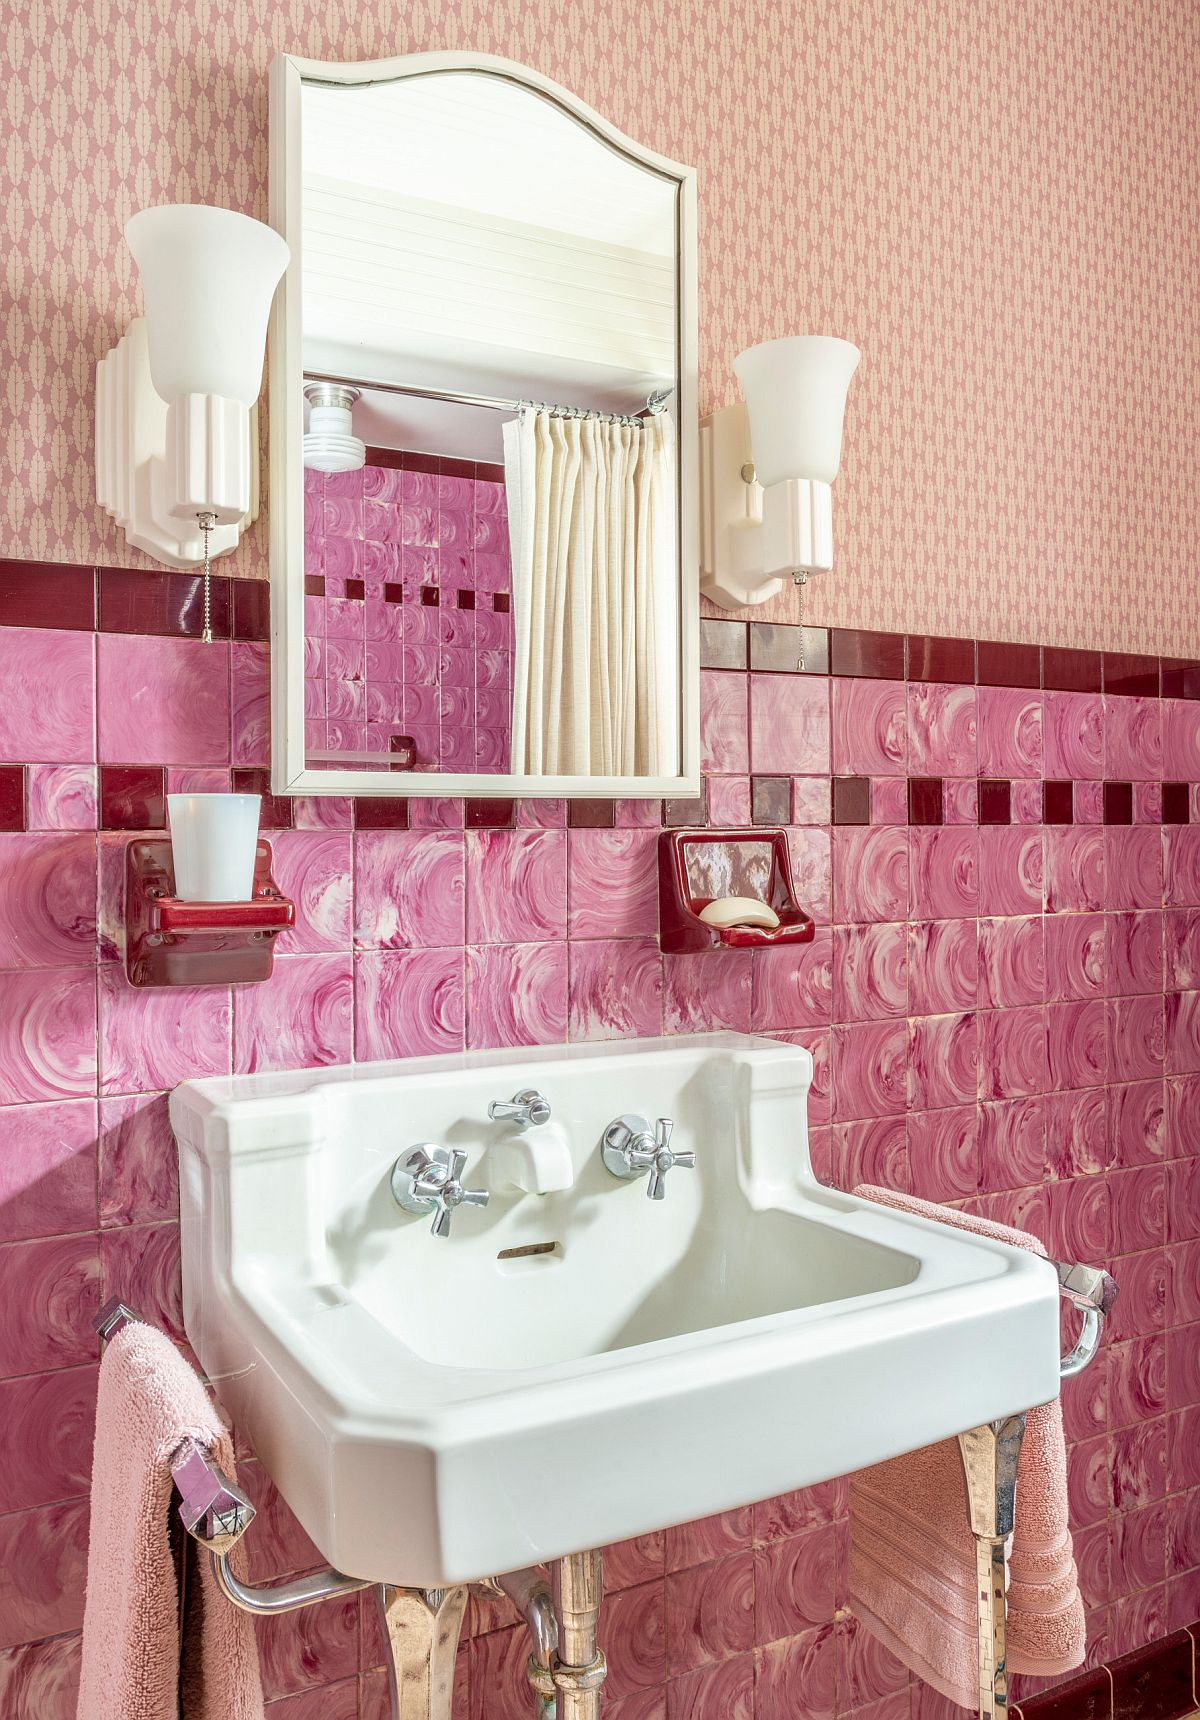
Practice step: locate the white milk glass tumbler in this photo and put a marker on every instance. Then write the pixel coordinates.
(213, 843)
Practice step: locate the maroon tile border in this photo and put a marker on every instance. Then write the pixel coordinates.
(850, 800)
(1176, 803)
(789, 650)
(1118, 803)
(1058, 802)
(441, 465)
(770, 800)
(156, 601)
(995, 800)
(1136, 677)
(591, 814)
(133, 797)
(47, 594)
(1002, 665)
(277, 809)
(879, 656)
(12, 797)
(252, 608)
(723, 644)
(1156, 1682)
(1069, 671)
(376, 812)
(489, 814)
(950, 660)
(925, 800)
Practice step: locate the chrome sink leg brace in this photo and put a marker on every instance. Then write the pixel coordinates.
(990, 1454)
(422, 1628)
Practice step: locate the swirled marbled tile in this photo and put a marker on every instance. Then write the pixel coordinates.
(1077, 1132)
(1134, 956)
(1025, 800)
(1012, 962)
(322, 812)
(1147, 803)
(298, 1019)
(51, 1420)
(722, 1691)
(140, 1263)
(708, 992)
(47, 696)
(794, 1587)
(1133, 866)
(942, 738)
(867, 1669)
(1182, 855)
(1183, 1112)
(1089, 802)
(315, 871)
(408, 1003)
(1009, 721)
(1075, 869)
(1073, 734)
(338, 1701)
(870, 972)
(793, 1513)
(638, 1636)
(47, 1169)
(40, 1680)
(138, 1179)
(615, 988)
(382, 483)
(516, 994)
(1136, 1038)
(870, 728)
(960, 800)
(708, 1538)
(724, 745)
(1077, 1219)
(1012, 1053)
(1181, 740)
(61, 796)
(49, 1294)
(162, 701)
(1138, 1124)
(152, 1038)
(516, 886)
(943, 966)
(48, 900)
(250, 703)
(1012, 872)
(889, 800)
(943, 1152)
(1139, 1548)
(1139, 1460)
(48, 1035)
(43, 1570)
(945, 873)
(810, 851)
(792, 986)
(797, 1676)
(1089, 1482)
(1077, 1047)
(612, 883)
(1133, 738)
(315, 1643)
(1183, 1032)
(1138, 1208)
(729, 801)
(410, 888)
(789, 725)
(943, 1060)
(711, 1612)
(869, 1060)
(1012, 1142)
(870, 874)
(872, 1150)
(1076, 957)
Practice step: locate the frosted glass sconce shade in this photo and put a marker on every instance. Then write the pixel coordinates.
(795, 392)
(330, 444)
(208, 278)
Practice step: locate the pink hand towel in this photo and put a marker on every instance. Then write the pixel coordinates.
(912, 1553)
(150, 1403)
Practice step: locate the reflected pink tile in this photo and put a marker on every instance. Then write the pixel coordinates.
(612, 883)
(945, 873)
(942, 737)
(40, 1680)
(789, 725)
(1137, 1123)
(410, 888)
(1009, 721)
(1134, 862)
(1136, 1038)
(724, 1691)
(409, 1003)
(48, 1035)
(250, 703)
(1077, 1050)
(138, 1161)
(870, 874)
(708, 992)
(870, 972)
(1012, 963)
(943, 966)
(944, 1152)
(49, 1295)
(1011, 870)
(517, 994)
(48, 900)
(1073, 733)
(1075, 869)
(869, 1069)
(791, 987)
(152, 1038)
(724, 706)
(315, 872)
(1076, 956)
(943, 1056)
(1134, 952)
(870, 727)
(317, 1644)
(298, 1019)
(516, 886)
(1077, 1133)
(162, 701)
(1012, 1053)
(47, 1169)
(47, 696)
(51, 1541)
(615, 988)
(62, 796)
(1133, 738)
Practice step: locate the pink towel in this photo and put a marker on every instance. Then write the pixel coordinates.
(150, 1403)
(912, 1553)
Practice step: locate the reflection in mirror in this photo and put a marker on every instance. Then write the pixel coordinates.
(490, 339)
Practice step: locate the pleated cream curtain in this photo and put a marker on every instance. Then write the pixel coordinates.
(591, 512)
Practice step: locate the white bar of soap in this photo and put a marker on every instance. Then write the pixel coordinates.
(739, 911)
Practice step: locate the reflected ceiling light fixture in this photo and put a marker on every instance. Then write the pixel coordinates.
(767, 466)
(330, 444)
(176, 425)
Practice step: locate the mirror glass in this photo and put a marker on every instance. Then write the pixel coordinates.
(492, 333)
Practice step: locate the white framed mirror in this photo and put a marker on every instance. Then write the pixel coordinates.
(483, 439)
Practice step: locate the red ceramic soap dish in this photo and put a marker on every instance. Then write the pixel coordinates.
(695, 867)
(169, 942)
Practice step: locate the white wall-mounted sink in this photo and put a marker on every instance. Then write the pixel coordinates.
(438, 1410)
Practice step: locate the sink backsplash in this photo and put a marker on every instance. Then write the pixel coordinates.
(1003, 1002)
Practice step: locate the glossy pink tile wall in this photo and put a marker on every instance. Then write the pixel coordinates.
(1006, 1014)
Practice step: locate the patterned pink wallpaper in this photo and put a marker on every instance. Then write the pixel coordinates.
(998, 204)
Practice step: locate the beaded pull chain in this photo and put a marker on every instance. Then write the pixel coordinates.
(801, 580)
(207, 522)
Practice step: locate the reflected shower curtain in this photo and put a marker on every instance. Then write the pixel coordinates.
(591, 510)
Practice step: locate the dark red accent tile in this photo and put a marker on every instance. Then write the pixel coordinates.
(404, 751)
(169, 605)
(391, 459)
(1000, 664)
(465, 599)
(995, 801)
(430, 596)
(1068, 671)
(1176, 803)
(452, 468)
(1180, 678)
(924, 800)
(490, 814)
(314, 585)
(1086, 1698)
(393, 593)
(789, 650)
(47, 594)
(380, 812)
(133, 797)
(723, 644)
(1118, 803)
(1155, 1682)
(1058, 803)
(356, 590)
(486, 473)
(251, 608)
(501, 602)
(770, 799)
(879, 656)
(933, 659)
(677, 813)
(1138, 677)
(851, 800)
(591, 814)
(12, 797)
(276, 812)
(429, 463)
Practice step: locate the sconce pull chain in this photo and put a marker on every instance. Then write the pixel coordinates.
(207, 522)
(801, 580)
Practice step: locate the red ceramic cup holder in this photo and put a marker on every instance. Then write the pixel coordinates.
(695, 867)
(169, 942)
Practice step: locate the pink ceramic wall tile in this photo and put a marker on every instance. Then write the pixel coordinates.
(51, 1293)
(612, 883)
(182, 780)
(870, 728)
(1183, 1099)
(516, 886)
(724, 1691)
(943, 1060)
(151, 1038)
(318, 1645)
(1012, 1142)
(791, 987)
(1089, 803)
(960, 800)
(1135, 947)
(1012, 962)
(409, 889)
(796, 1676)
(47, 696)
(1143, 1300)
(48, 900)
(1076, 956)
(1181, 740)
(1136, 1038)
(945, 873)
(1077, 1219)
(140, 1264)
(408, 1003)
(789, 725)
(614, 988)
(1147, 803)
(810, 851)
(1075, 869)
(250, 703)
(1137, 1123)
(1181, 849)
(1077, 1132)
(1138, 1211)
(1183, 1032)
(1077, 1045)
(1133, 738)
(53, 1542)
(793, 1586)
(47, 1035)
(869, 1064)
(1012, 1053)
(516, 994)
(47, 1169)
(1073, 734)
(724, 704)
(873, 1150)
(61, 796)
(710, 1612)
(552, 814)
(942, 738)
(315, 871)
(41, 1679)
(298, 1019)
(811, 800)
(636, 1623)
(1009, 721)
(707, 992)
(944, 1152)
(867, 1670)
(870, 972)
(1025, 801)
(138, 1179)
(162, 701)
(870, 874)
(1134, 867)
(729, 801)
(943, 966)
(1012, 870)
(889, 800)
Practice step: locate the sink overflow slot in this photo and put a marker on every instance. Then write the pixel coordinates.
(530, 1248)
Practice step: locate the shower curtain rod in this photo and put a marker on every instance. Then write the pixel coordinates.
(655, 403)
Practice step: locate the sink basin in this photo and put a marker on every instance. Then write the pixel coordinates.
(568, 1369)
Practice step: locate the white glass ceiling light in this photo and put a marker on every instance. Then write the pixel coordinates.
(330, 444)
(176, 446)
(767, 468)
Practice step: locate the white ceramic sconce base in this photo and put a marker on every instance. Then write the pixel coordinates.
(145, 451)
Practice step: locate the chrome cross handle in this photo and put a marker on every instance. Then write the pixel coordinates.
(429, 1179)
(629, 1149)
(527, 1109)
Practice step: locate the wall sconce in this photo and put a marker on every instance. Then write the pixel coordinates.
(176, 433)
(330, 444)
(766, 468)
